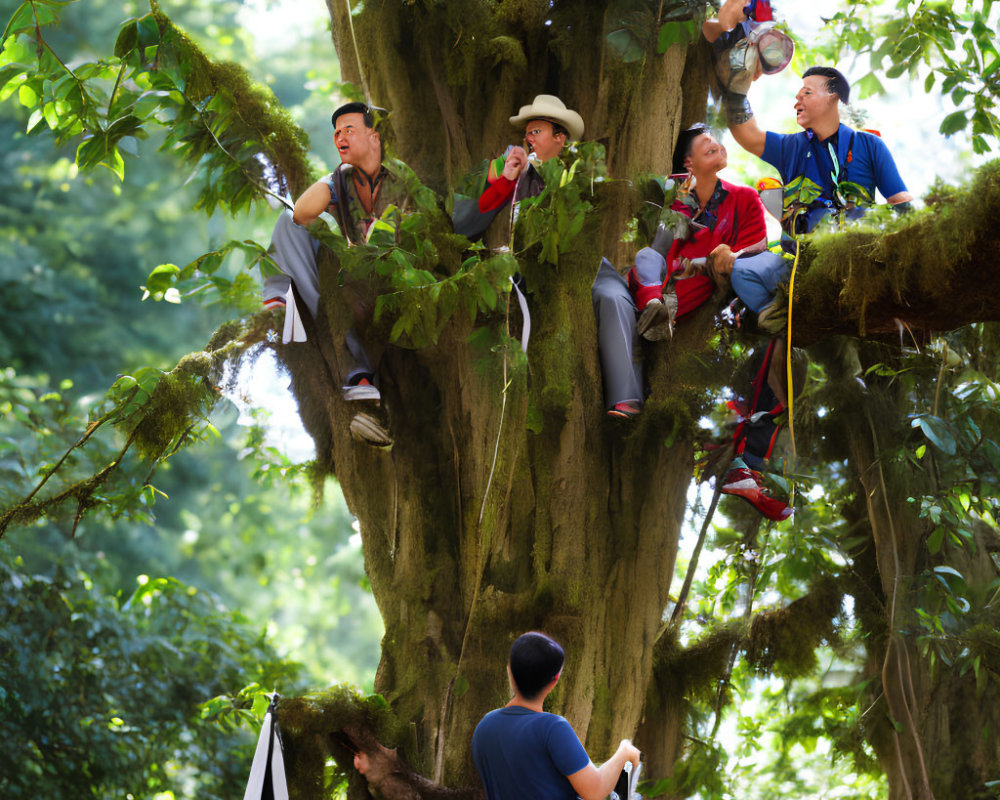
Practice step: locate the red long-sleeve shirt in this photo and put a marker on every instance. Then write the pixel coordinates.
(497, 194)
(739, 224)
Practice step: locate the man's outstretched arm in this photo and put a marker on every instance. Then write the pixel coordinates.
(743, 125)
(739, 115)
(596, 783)
(313, 202)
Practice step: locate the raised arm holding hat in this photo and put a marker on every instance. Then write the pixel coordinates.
(845, 166)
(826, 169)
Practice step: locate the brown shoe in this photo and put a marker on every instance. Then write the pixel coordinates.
(365, 428)
(656, 322)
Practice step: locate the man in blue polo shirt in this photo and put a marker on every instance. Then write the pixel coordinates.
(843, 165)
(826, 168)
(524, 752)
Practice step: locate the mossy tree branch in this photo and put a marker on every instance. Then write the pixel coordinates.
(934, 271)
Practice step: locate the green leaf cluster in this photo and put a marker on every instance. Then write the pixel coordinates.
(220, 123)
(103, 693)
(949, 45)
(677, 22)
(555, 218)
(156, 412)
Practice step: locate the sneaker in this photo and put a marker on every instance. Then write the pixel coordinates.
(735, 315)
(363, 390)
(625, 410)
(746, 483)
(365, 428)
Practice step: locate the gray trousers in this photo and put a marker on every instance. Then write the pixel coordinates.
(294, 251)
(616, 314)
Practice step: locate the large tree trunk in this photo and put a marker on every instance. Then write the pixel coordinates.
(509, 500)
(500, 510)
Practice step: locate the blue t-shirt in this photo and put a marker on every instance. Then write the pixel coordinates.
(863, 158)
(526, 755)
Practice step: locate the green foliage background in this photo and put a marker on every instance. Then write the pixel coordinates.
(120, 628)
(139, 682)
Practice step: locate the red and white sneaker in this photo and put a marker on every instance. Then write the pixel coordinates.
(746, 483)
(363, 390)
(625, 410)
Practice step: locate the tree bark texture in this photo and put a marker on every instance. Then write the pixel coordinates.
(453, 73)
(930, 724)
(509, 501)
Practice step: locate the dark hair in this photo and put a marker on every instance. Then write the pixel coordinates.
(836, 83)
(685, 141)
(355, 108)
(535, 660)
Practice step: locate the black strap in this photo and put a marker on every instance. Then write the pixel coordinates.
(342, 210)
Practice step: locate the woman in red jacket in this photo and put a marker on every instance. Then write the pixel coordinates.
(727, 221)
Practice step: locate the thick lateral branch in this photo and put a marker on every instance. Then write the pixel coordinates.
(936, 272)
(390, 777)
(776, 639)
(350, 728)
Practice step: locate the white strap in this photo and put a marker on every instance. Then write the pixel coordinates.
(293, 330)
(268, 746)
(526, 328)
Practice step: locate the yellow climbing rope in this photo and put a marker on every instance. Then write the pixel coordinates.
(788, 351)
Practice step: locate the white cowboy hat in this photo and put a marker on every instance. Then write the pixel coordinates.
(551, 108)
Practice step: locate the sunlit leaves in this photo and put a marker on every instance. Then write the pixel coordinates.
(950, 44)
(204, 278)
(155, 77)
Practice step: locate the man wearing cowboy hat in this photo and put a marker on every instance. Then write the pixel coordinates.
(547, 126)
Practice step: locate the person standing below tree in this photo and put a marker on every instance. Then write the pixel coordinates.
(523, 752)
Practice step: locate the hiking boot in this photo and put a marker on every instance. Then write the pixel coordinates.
(365, 428)
(746, 483)
(625, 410)
(772, 319)
(656, 322)
(363, 390)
